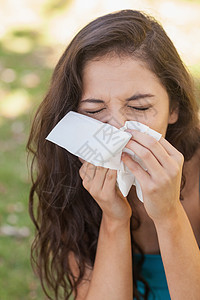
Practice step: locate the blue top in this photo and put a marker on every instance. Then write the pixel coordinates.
(153, 271)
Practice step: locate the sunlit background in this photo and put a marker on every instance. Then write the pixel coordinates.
(33, 34)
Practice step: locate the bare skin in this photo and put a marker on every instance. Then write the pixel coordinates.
(108, 84)
(146, 235)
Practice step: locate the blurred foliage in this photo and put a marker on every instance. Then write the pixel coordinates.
(25, 77)
(52, 7)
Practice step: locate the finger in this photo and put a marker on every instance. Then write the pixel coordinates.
(163, 151)
(149, 141)
(141, 175)
(90, 172)
(87, 171)
(100, 176)
(147, 157)
(110, 180)
(82, 170)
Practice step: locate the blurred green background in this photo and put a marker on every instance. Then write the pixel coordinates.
(33, 34)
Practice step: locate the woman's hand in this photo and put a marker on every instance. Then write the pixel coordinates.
(101, 184)
(161, 182)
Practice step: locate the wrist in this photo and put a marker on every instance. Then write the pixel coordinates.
(172, 219)
(111, 225)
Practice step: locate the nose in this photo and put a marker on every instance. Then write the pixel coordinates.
(117, 119)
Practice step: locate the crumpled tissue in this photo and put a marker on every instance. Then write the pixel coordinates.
(101, 144)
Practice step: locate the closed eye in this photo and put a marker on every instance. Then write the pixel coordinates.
(98, 111)
(139, 108)
(94, 112)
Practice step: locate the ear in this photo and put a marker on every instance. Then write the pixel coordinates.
(173, 115)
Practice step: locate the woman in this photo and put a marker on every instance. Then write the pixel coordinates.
(92, 241)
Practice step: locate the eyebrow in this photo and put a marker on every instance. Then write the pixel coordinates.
(134, 97)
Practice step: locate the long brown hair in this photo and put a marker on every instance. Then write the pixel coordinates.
(65, 215)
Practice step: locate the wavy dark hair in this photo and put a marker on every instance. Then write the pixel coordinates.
(66, 217)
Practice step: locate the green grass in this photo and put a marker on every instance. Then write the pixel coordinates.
(17, 280)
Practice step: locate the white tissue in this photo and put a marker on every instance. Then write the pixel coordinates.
(100, 144)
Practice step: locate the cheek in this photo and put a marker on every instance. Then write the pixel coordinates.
(147, 117)
(156, 120)
(159, 124)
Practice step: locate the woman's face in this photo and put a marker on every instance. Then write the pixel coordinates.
(117, 89)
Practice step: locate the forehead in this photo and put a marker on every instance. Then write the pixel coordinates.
(113, 62)
(118, 74)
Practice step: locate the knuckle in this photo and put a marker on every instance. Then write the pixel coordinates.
(111, 174)
(86, 183)
(167, 179)
(163, 180)
(109, 177)
(179, 156)
(81, 173)
(175, 170)
(152, 188)
(164, 177)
